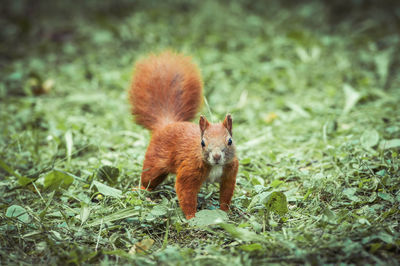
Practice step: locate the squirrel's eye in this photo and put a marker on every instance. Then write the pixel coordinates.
(202, 143)
(230, 141)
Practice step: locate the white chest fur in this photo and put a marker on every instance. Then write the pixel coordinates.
(215, 174)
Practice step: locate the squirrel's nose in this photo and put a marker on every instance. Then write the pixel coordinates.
(217, 157)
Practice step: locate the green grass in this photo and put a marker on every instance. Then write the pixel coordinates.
(314, 92)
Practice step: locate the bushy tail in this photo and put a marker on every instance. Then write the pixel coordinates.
(166, 88)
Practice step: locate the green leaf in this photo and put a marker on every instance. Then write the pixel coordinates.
(108, 173)
(18, 212)
(381, 172)
(277, 202)
(22, 180)
(276, 183)
(374, 247)
(385, 237)
(159, 210)
(85, 212)
(298, 109)
(69, 143)
(382, 61)
(56, 180)
(119, 215)
(251, 247)
(364, 221)
(330, 215)
(259, 198)
(241, 233)
(349, 193)
(107, 190)
(208, 217)
(369, 138)
(351, 98)
(390, 144)
(273, 201)
(245, 161)
(386, 196)
(118, 252)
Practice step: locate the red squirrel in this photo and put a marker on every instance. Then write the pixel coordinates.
(166, 93)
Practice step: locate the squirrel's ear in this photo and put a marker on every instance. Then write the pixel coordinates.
(228, 123)
(203, 123)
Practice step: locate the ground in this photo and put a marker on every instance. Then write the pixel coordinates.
(314, 91)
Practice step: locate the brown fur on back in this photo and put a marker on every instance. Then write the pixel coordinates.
(166, 88)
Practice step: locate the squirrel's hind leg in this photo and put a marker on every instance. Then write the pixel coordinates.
(152, 175)
(155, 165)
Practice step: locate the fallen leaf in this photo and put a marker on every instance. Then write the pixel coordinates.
(142, 246)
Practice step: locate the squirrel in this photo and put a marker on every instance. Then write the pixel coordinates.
(166, 93)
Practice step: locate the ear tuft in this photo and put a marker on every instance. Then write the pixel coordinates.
(203, 123)
(228, 123)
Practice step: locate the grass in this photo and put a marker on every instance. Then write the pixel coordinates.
(314, 92)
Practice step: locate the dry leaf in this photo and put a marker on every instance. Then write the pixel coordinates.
(142, 246)
(270, 117)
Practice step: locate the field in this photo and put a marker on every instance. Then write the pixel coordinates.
(314, 91)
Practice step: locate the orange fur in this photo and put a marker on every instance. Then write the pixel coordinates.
(166, 92)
